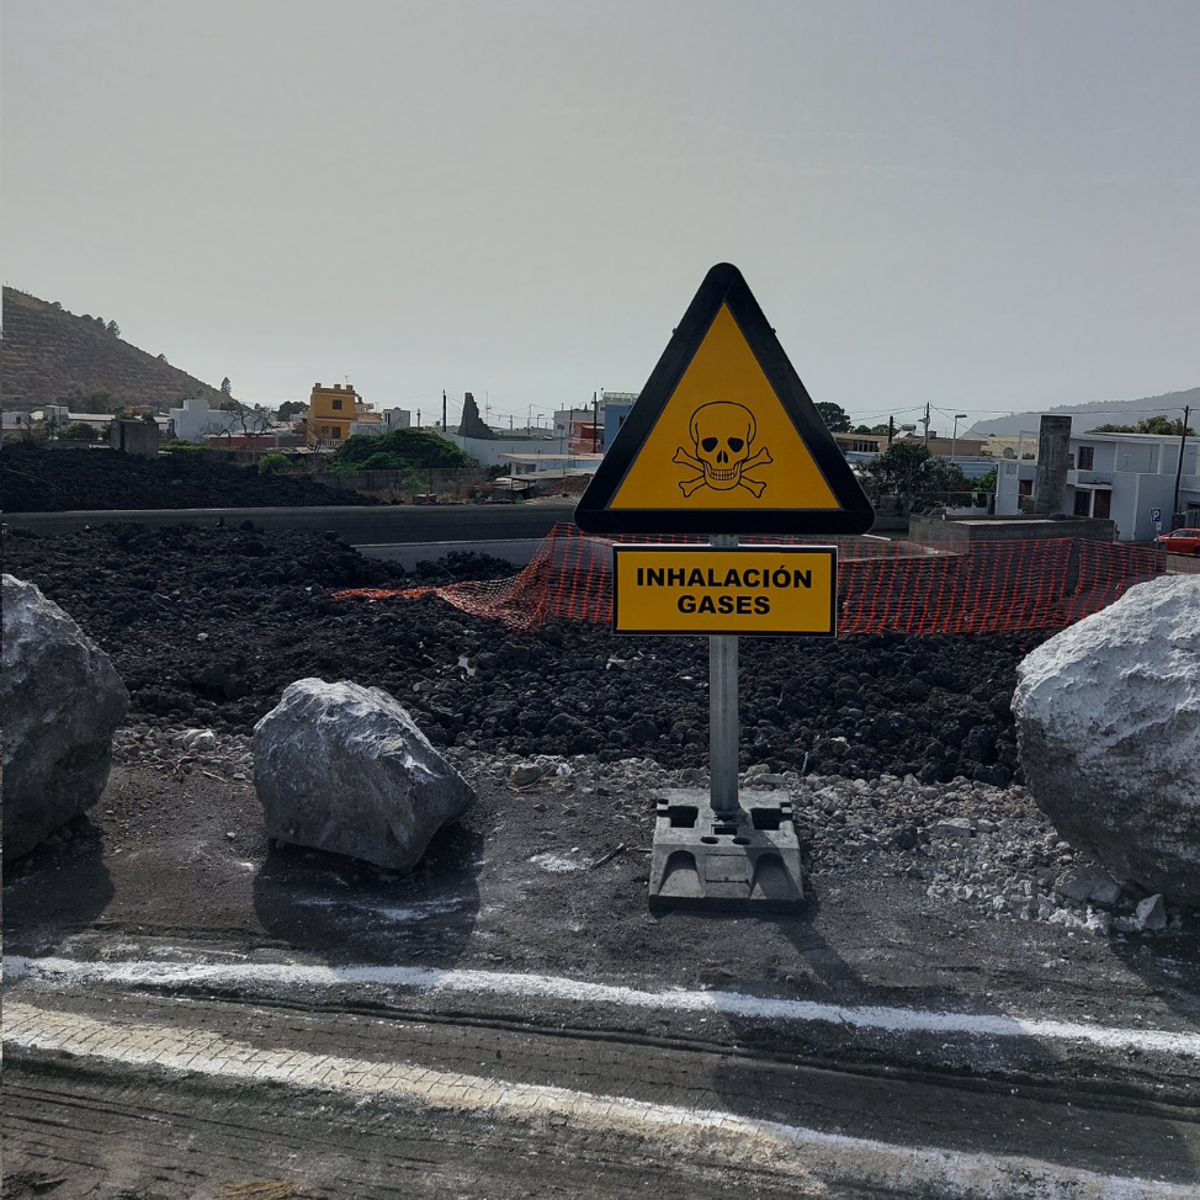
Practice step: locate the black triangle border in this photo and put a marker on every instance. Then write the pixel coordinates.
(724, 284)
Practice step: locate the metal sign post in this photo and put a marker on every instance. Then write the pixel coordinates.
(724, 441)
(723, 850)
(723, 711)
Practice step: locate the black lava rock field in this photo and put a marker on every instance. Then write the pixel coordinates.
(33, 479)
(207, 627)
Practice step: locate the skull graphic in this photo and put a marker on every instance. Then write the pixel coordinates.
(722, 432)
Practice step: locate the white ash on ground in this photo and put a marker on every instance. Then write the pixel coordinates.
(988, 848)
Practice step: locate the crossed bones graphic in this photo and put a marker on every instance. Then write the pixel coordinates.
(726, 458)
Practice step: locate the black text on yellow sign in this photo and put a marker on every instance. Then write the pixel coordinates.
(747, 590)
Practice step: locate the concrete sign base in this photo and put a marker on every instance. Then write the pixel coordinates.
(744, 861)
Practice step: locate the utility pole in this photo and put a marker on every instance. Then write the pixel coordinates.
(418, 418)
(926, 419)
(443, 410)
(595, 420)
(891, 430)
(1187, 412)
(954, 440)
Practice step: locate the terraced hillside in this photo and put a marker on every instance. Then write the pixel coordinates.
(51, 356)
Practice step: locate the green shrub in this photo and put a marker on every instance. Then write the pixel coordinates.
(273, 463)
(409, 447)
(79, 431)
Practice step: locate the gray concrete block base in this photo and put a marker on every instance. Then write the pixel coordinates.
(747, 861)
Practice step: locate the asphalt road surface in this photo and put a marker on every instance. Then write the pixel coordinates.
(190, 1012)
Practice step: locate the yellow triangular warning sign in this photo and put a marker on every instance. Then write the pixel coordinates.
(724, 438)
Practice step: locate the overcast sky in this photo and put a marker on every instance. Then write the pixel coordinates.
(986, 205)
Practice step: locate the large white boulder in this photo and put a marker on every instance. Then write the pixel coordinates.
(1108, 718)
(60, 700)
(344, 768)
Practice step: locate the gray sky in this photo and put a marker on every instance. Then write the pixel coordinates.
(986, 205)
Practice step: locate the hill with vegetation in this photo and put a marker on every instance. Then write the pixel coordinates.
(52, 356)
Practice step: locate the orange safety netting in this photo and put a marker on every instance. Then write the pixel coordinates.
(983, 587)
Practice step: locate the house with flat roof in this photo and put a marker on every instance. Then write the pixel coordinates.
(1128, 477)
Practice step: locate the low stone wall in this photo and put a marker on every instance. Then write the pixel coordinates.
(961, 532)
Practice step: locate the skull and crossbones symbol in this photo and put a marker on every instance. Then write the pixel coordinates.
(721, 434)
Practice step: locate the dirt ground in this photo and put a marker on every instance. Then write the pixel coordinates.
(548, 882)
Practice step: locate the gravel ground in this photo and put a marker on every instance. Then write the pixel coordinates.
(893, 747)
(209, 626)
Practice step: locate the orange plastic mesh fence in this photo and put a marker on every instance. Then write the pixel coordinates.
(986, 587)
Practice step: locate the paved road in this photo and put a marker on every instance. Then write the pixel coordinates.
(383, 525)
(192, 1090)
(186, 1009)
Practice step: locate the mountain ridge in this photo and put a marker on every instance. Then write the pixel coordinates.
(50, 355)
(1085, 417)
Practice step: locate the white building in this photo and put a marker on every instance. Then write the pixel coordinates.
(1129, 477)
(195, 421)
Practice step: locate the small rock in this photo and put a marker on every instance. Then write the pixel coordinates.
(524, 774)
(1088, 883)
(951, 827)
(1151, 914)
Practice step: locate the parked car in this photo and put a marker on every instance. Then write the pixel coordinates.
(1180, 541)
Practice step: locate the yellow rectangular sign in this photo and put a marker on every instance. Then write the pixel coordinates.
(747, 590)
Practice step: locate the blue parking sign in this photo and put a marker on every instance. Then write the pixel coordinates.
(1156, 515)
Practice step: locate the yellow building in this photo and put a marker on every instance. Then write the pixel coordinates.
(331, 412)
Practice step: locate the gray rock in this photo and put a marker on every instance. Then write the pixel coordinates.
(1151, 914)
(60, 700)
(1088, 883)
(344, 768)
(951, 827)
(1109, 725)
(526, 773)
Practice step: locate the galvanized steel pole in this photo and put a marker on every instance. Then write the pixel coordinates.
(723, 711)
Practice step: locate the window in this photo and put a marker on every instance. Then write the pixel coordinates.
(336, 432)
(337, 404)
(1087, 457)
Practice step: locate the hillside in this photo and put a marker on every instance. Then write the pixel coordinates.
(52, 356)
(1087, 416)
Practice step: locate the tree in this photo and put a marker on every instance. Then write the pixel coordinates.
(79, 431)
(290, 409)
(1164, 425)
(102, 402)
(1159, 424)
(162, 358)
(906, 469)
(226, 387)
(406, 448)
(113, 328)
(834, 416)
